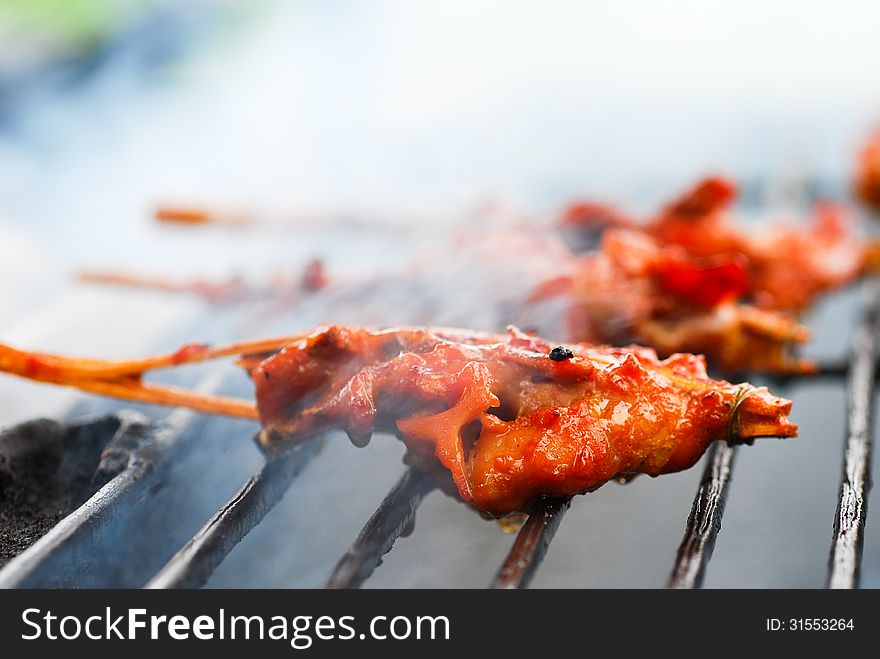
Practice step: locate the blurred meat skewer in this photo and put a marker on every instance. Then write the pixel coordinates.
(788, 265)
(228, 218)
(236, 289)
(867, 181)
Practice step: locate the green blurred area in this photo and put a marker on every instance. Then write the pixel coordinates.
(78, 24)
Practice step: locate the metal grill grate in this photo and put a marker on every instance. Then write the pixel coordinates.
(394, 518)
(849, 520)
(531, 544)
(56, 559)
(704, 522)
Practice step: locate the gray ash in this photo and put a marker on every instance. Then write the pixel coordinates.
(47, 469)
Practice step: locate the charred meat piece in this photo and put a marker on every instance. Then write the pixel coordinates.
(633, 289)
(788, 265)
(504, 419)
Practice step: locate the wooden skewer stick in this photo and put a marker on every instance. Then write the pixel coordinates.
(193, 216)
(123, 379)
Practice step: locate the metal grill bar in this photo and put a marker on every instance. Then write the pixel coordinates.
(393, 518)
(531, 543)
(193, 564)
(704, 521)
(849, 520)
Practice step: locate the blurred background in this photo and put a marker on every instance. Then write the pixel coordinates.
(382, 127)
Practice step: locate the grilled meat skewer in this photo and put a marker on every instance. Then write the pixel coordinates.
(510, 417)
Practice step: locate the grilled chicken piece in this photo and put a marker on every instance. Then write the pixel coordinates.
(511, 417)
(635, 290)
(788, 266)
(867, 182)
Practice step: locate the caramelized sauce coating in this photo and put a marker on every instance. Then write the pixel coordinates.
(788, 265)
(508, 422)
(635, 289)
